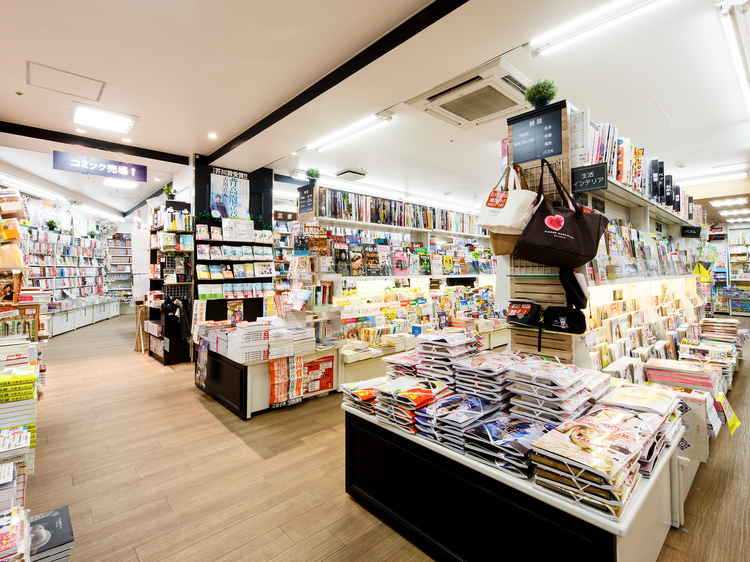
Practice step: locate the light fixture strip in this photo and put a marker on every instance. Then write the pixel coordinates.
(728, 202)
(30, 188)
(351, 131)
(101, 213)
(730, 26)
(711, 179)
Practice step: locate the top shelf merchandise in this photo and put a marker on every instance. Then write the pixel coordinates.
(120, 265)
(341, 205)
(171, 218)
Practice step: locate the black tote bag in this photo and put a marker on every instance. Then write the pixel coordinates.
(560, 236)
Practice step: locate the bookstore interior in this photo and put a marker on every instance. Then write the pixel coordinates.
(526, 290)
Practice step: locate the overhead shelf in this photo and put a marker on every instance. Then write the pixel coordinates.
(627, 197)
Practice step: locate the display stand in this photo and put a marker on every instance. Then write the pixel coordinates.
(459, 509)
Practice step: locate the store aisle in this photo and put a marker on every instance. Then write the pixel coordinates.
(153, 470)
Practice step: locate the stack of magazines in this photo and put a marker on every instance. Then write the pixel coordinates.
(686, 374)
(504, 442)
(401, 364)
(593, 461)
(658, 407)
(438, 350)
(720, 354)
(361, 395)
(398, 400)
(483, 375)
(447, 419)
(548, 391)
(719, 329)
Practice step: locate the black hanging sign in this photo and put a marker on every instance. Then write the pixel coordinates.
(589, 178)
(690, 232)
(306, 202)
(537, 134)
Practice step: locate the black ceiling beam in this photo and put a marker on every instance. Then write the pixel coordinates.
(411, 27)
(87, 142)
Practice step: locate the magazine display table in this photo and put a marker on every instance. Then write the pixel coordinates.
(459, 509)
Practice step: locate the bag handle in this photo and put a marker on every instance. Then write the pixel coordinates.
(566, 197)
(520, 180)
(506, 177)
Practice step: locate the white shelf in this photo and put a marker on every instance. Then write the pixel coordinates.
(627, 197)
(369, 225)
(626, 280)
(620, 528)
(460, 234)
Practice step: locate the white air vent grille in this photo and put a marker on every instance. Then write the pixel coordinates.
(493, 91)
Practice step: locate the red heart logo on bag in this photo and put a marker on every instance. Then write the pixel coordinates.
(555, 222)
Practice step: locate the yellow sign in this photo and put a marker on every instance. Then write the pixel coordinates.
(732, 421)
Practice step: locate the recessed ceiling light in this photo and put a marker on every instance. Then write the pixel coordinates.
(82, 131)
(738, 220)
(122, 184)
(83, 114)
(294, 154)
(728, 202)
(212, 135)
(711, 179)
(101, 213)
(734, 212)
(127, 140)
(157, 179)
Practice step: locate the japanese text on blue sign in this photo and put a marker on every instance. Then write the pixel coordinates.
(98, 166)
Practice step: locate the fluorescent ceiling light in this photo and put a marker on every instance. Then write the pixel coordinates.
(729, 24)
(728, 202)
(82, 131)
(598, 20)
(734, 212)
(91, 116)
(122, 184)
(738, 220)
(288, 194)
(351, 131)
(101, 213)
(30, 188)
(711, 179)
(157, 179)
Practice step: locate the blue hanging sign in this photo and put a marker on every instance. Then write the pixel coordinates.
(98, 166)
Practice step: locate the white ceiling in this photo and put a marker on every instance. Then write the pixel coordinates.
(189, 68)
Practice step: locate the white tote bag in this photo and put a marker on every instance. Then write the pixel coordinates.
(508, 210)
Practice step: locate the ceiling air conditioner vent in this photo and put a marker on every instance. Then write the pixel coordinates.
(494, 90)
(351, 175)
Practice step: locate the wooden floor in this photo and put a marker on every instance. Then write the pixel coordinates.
(153, 470)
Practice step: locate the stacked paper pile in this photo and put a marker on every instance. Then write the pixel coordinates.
(598, 384)
(303, 340)
(402, 364)
(280, 343)
(398, 400)
(8, 485)
(686, 374)
(548, 391)
(719, 329)
(243, 351)
(590, 462)
(361, 395)
(14, 532)
(15, 446)
(483, 375)
(437, 350)
(629, 369)
(18, 405)
(720, 354)
(447, 419)
(56, 528)
(657, 410)
(504, 442)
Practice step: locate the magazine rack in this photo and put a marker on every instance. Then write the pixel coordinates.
(458, 509)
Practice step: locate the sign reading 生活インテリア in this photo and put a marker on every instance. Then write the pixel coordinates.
(98, 166)
(589, 178)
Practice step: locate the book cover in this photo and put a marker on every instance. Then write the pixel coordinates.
(228, 290)
(668, 194)
(247, 252)
(425, 264)
(341, 258)
(257, 289)
(226, 271)
(239, 270)
(676, 198)
(249, 270)
(201, 232)
(226, 252)
(400, 263)
(654, 174)
(662, 195)
(216, 233)
(52, 532)
(202, 271)
(215, 252)
(414, 268)
(263, 269)
(384, 261)
(216, 272)
(372, 260)
(204, 252)
(258, 252)
(356, 260)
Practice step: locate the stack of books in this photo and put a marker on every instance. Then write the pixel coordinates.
(54, 531)
(437, 350)
(14, 535)
(446, 420)
(686, 374)
(652, 410)
(15, 445)
(362, 395)
(398, 400)
(547, 391)
(18, 404)
(483, 375)
(719, 329)
(401, 365)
